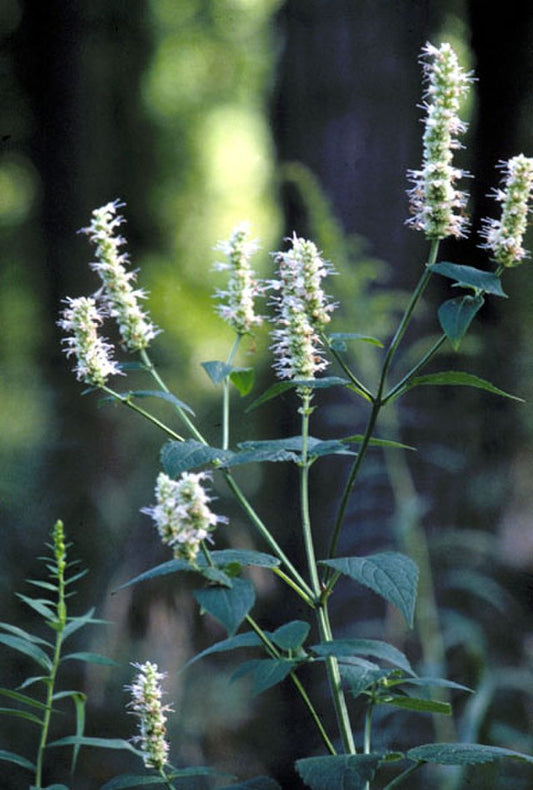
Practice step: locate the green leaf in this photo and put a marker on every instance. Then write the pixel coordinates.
(283, 386)
(463, 754)
(315, 447)
(292, 635)
(349, 772)
(91, 658)
(358, 438)
(256, 783)
(469, 277)
(267, 672)
(130, 780)
(178, 457)
(392, 575)
(360, 676)
(42, 607)
(217, 371)
(11, 757)
(458, 378)
(21, 714)
(248, 639)
(242, 379)
(456, 315)
(28, 648)
(243, 557)
(79, 699)
(346, 648)
(75, 623)
(22, 698)
(428, 683)
(259, 455)
(337, 340)
(167, 396)
(417, 704)
(228, 605)
(98, 743)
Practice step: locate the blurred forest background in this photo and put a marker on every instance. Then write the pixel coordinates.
(298, 115)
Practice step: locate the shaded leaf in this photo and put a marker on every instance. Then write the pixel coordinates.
(392, 575)
(257, 783)
(28, 648)
(458, 378)
(428, 683)
(98, 743)
(267, 672)
(217, 371)
(22, 698)
(346, 772)
(228, 605)
(360, 676)
(292, 635)
(259, 455)
(76, 623)
(21, 714)
(41, 606)
(417, 704)
(337, 340)
(167, 396)
(11, 757)
(463, 754)
(470, 277)
(358, 438)
(284, 386)
(91, 658)
(456, 315)
(243, 557)
(249, 639)
(178, 457)
(346, 648)
(131, 780)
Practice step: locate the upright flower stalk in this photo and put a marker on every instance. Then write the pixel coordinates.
(302, 310)
(94, 362)
(237, 303)
(182, 513)
(119, 297)
(504, 237)
(146, 704)
(436, 204)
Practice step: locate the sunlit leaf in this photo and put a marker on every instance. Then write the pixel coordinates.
(242, 379)
(392, 575)
(337, 340)
(228, 605)
(349, 772)
(418, 705)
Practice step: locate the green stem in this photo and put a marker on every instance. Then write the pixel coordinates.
(379, 400)
(399, 779)
(59, 626)
(225, 396)
(126, 400)
(166, 780)
(399, 387)
(324, 626)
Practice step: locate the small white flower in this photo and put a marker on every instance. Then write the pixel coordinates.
(146, 694)
(302, 310)
(182, 514)
(93, 354)
(437, 206)
(237, 302)
(120, 298)
(504, 237)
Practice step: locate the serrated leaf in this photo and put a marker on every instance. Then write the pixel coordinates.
(28, 648)
(228, 605)
(258, 559)
(456, 315)
(392, 575)
(349, 772)
(284, 386)
(11, 757)
(249, 639)
(242, 379)
(315, 447)
(292, 635)
(360, 677)
(463, 754)
(458, 378)
(417, 704)
(178, 457)
(256, 783)
(266, 672)
(91, 658)
(346, 648)
(470, 277)
(337, 340)
(260, 455)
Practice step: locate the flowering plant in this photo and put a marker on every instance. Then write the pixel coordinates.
(373, 670)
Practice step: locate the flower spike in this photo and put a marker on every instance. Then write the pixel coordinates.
(146, 694)
(237, 303)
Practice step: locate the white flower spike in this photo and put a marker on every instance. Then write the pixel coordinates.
(237, 302)
(146, 694)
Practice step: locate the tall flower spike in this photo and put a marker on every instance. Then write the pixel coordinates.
(182, 514)
(237, 303)
(94, 364)
(119, 296)
(504, 237)
(437, 206)
(302, 310)
(146, 694)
